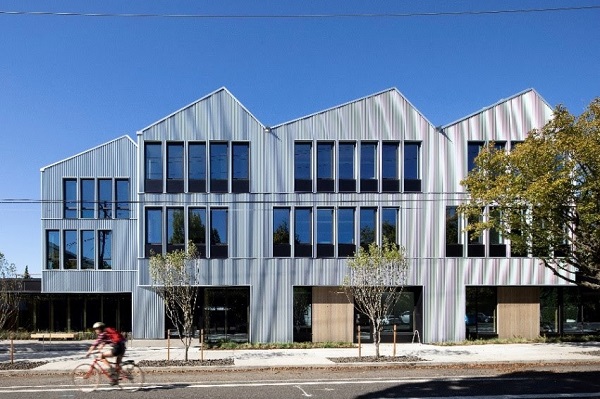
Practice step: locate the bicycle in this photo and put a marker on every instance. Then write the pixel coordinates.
(86, 376)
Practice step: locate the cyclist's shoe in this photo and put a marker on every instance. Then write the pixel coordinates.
(114, 381)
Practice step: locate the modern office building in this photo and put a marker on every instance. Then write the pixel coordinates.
(276, 211)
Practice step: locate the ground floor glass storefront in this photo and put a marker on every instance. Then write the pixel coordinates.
(569, 310)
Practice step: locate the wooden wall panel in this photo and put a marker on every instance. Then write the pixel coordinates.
(518, 312)
(332, 315)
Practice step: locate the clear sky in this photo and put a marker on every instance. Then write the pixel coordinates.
(70, 83)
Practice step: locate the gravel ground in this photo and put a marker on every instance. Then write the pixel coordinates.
(186, 363)
(20, 365)
(374, 359)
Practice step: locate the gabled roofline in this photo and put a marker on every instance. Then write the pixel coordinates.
(495, 105)
(355, 101)
(223, 88)
(89, 150)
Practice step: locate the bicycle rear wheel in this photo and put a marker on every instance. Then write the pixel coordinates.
(85, 377)
(131, 377)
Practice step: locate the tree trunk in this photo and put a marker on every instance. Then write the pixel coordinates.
(376, 338)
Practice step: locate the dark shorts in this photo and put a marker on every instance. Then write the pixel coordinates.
(118, 349)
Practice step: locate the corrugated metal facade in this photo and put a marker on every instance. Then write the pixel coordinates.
(377, 118)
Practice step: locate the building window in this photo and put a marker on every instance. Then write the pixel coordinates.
(104, 249)
(475, 246)
(70, 198)
(52, 249)
(105, 199)
(368, 226)
(219, 170)
(346, 169)
(281, 232)
(70, 255)
(453, 246)
(497, 247)
(480, 311)
(325, 247)
(154, 239)
(346, 232)
(218, 233)
(302, 167)
(174, 167)
(197, 229)
(412, 167)
(153, 182)
(389, 225)
(175, 229)
(123, 205)
(303, 233)
(389, 168)
(368, 167)
(197, 167)
(325, 182)
(473, 149)
(240, 167)
(514, 144)
(88, 252)
(88, 197)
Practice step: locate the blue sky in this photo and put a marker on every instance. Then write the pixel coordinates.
(69, 83)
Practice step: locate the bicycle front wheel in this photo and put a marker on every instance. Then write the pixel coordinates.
(85, 377)
(131, 377)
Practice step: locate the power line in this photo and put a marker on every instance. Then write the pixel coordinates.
(298, 16)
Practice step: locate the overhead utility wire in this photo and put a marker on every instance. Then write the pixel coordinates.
(298, 16)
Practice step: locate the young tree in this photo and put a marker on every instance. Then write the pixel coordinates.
(545, 195)
(10, 287)
(173, 277)
(375, 282)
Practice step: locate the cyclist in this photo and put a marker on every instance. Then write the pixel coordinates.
(115, 340)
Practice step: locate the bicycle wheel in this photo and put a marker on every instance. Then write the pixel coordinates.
(85, 377)
(131, 377)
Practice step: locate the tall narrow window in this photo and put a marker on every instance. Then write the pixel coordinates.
(174, 167)
(389, 167)
(153, 162)
(175, 229)
(123, 205)
(368, 226)
(303, 233)
(104, 249)
(70, 254)
(88, 251)
(475, 244)
(219, 170)
(453, 246)
(105, 199)
(346, 168)
(497, 247)
(346, 233)
(389, 225)
(52, 249)
(240, 167)
(218, 233)
(154, 220)
(88, 197)
(197, 229)
(412, 167)
(70, 198)
(368, 167)
(325, 247)
(302, 167)
(325, 182)
(281, 232)
(473, 149)
(197, 167)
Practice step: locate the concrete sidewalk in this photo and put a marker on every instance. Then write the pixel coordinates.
(71, 354)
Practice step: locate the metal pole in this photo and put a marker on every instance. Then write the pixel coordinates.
(358, 337)
(168, 345)
(12, 350)
(394, 341)
(202, 344)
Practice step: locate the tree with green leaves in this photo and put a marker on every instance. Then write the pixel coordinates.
(173, 278)
(10, 290)
(544, 195)
(375, 282)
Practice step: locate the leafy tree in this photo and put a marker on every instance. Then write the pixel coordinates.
(10, 287)
(545, 194)
(375, 282)
(26, 274)
(281, 235)
(173, 277)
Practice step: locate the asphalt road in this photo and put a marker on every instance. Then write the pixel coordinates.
(510, 381)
